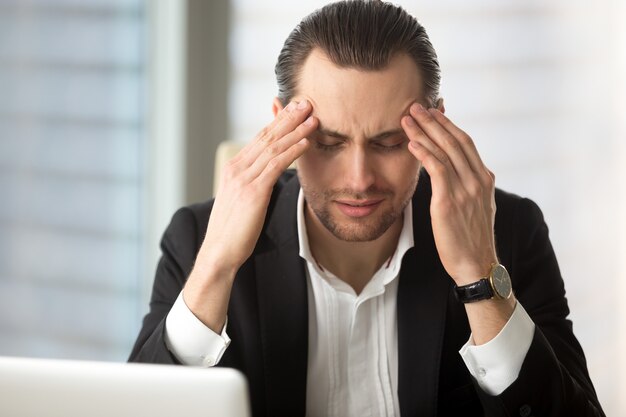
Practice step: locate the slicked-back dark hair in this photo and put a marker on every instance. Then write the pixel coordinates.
(358, 34)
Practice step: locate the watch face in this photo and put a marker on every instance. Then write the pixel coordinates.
(501, 281)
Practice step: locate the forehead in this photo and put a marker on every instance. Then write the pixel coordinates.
(356, 101)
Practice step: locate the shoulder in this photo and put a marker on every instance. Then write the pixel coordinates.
(197, 215)
(509, 206)
(516, 210)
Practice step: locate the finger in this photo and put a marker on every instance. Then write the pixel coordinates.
(445, 179)
(444, 139)
(465, 142)
(280, 150)
(278, 164)
(438, 171)
(417, 135)
(285, 122)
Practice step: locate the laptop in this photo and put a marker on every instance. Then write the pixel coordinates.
(51, 387)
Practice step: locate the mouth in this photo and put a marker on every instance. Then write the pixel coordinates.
(358, 208)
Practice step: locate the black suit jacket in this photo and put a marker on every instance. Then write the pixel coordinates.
(268, 316)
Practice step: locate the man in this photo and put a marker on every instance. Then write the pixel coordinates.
(375, 281)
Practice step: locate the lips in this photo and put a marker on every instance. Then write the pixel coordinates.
(358, 208)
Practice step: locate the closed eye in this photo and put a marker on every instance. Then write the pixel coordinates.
(390, 144)
(329, 148)
(327, 143)
(383, 143)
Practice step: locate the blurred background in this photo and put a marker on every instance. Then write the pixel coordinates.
(111, 110)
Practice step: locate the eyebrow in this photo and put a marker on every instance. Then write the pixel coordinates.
(376, 137)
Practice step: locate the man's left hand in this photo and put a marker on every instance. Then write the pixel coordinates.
(463, 205)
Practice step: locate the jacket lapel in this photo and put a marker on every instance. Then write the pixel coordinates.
(423, 292)
(282, 292)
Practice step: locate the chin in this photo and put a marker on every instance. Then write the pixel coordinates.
(359, 230)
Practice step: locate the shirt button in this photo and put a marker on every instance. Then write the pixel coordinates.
(525, 410)
(481, 372)
(209, 361)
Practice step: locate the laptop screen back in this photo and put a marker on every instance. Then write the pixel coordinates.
(44, 387)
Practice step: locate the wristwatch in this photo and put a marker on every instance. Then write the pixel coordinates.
(497, 286)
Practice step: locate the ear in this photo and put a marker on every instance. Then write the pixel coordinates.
(440, 105)
(277, 106)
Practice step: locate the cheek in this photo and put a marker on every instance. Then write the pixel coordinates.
(307, 162)
(312, 169)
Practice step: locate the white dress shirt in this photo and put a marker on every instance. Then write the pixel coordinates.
(353, 354)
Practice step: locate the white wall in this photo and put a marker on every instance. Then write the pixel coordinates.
(617, 111)
(539, 87)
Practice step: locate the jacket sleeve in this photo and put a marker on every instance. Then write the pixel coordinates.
(553, 380)
(179, 247)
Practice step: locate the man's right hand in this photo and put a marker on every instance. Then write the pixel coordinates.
(239, 210)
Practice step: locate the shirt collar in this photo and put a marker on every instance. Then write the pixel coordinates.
(405, 241)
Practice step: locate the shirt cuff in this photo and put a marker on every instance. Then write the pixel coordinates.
(189, 340)
(497, 363)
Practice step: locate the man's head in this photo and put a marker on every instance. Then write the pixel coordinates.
(358, 34)
(361, 65)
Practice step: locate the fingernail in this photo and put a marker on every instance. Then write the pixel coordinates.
(409, 121)
(418, 108)
(309, 121)
(290, 106)
(302, 105)
(414, 144)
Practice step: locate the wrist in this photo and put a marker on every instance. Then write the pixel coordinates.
(496, 285)
(488, 317)
(207, 292)
(474, 272)
(207, 274)
(212, 264)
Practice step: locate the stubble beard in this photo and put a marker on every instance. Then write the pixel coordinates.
(364, 229)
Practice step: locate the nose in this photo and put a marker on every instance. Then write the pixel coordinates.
(360, 173)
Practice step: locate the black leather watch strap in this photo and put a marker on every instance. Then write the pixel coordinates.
(476, 291)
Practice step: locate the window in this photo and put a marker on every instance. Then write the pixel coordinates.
(72, 176)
